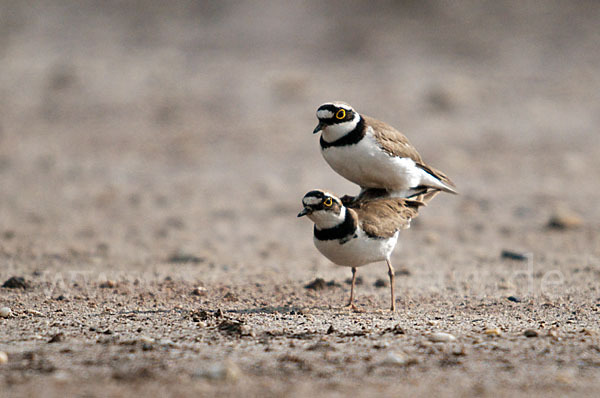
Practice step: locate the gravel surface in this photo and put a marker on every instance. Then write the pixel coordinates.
(152, 162)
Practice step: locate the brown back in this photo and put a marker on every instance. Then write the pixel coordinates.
(392, 141)
(381, 218)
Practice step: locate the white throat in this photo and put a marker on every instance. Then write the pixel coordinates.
(336, 131)
(327, 219)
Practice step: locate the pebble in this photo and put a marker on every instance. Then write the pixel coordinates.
(441, 337)
(552, 333)
(108, 284)
(57, 338)
(146, 340)
(223, 371)
(5, 312)
(459, 351)
(493, 332)
(181, 257)
(3, 357)
(199, 291)
(16, 282)
(395, 359)
(514, 299)
(512, 255)
(530, 333)
(564, 219)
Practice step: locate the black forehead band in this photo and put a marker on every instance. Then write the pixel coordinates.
(329, 107)
(315, 194)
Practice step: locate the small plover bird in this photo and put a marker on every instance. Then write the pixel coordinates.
(373, 154)
(358, 234)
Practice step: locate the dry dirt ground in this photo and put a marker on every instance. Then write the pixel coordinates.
(152, 161)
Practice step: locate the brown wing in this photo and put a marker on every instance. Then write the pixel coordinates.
(392, 141)
(383, 217)
(396, 144)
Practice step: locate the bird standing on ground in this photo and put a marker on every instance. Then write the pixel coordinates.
(358, 234)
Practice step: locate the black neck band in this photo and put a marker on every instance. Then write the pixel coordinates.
(343, 230)
(351, 138)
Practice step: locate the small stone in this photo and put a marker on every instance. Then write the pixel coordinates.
(57, 338)
(224, 371)
(229, 296)
(3, 357)
(513, 299)
(492, 332)
(459, 351)
(233, 327)
(530, 333)
(441, 337)
(5, 312)
(146, 340)
(395, 359)
(564, 219)
(34, 312)
(506, 285)
(331, 329)
(381, 283)
(108, 284)
(395, 330)
(199, 291)
(181, 257)
(16, 282)
(512, 255)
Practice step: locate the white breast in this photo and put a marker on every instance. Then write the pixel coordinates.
(367, 165)
(358, 251)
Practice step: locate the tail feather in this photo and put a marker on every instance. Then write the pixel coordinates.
(440, 180)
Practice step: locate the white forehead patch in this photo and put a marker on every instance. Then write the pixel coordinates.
(311, 201)
(342, 105)
(324, 114)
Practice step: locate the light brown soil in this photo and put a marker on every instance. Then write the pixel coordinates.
(152, 162)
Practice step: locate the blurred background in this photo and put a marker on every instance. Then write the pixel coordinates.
(131, 131)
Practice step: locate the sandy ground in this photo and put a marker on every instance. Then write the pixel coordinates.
(152, 162)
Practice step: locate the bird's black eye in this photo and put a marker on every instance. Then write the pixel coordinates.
(328, 202)
(341, 114)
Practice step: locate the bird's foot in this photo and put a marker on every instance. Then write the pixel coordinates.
(354, 308)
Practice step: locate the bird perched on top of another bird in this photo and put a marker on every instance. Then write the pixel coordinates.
(373, 154)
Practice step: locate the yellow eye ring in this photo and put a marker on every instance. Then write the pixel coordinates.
(340, 114)
(328, 202)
